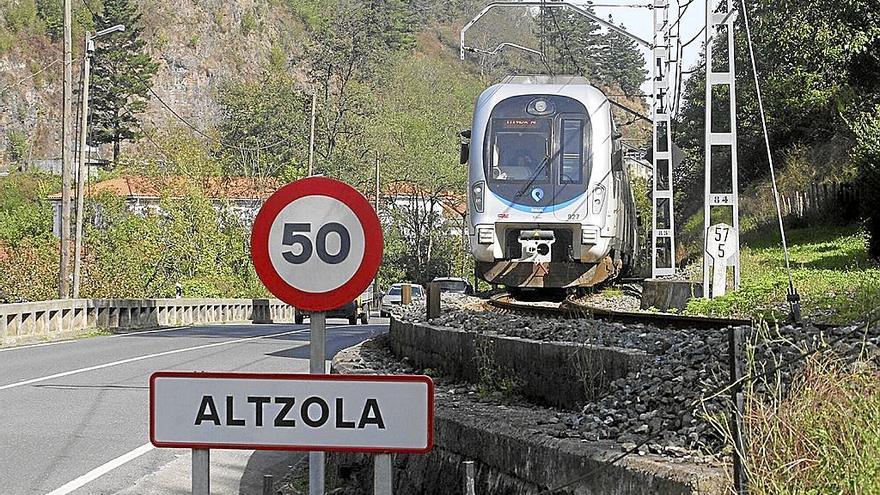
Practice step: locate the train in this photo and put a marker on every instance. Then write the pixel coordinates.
(549, 199)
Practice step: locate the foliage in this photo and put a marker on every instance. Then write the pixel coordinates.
(415, 130)
(268, 121)
(822, 437)
(51, 12)
(836, 279)
(24, 212)
(867, 154)
(574, 44)
(18, 146)
(30, 270)
(20, 15)
(185, 240)
(347, 49)
(817, 64)
(122, 76)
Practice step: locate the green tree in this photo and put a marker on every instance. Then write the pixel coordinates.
(349, 48)
(269, 123)
(572, 42)
(122, 76)
(622, 63)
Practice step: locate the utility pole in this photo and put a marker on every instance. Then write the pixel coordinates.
(663, 225)
(312, 134)
(65, 156)
(376, 298)
(82, 169)
(721, 186)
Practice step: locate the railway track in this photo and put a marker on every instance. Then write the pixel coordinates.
(570, 308)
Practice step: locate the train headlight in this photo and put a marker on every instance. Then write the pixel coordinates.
(598, 199)
(485, 234)
(540, 107)
(479, 193)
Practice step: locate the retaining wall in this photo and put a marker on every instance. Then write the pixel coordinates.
(47, 320)
(556, 373)
(511, 457)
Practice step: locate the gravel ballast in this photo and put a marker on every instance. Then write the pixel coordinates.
(671, 399)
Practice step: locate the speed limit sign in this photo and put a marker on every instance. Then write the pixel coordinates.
(316, 244)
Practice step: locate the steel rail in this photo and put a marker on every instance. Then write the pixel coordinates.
(570, 308)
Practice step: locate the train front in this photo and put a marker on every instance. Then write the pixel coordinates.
(541, 200)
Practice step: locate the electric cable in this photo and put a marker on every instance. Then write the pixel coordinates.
(793, 297)
(210, 138)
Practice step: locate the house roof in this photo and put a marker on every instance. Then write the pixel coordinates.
(139, 186)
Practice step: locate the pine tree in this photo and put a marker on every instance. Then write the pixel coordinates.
(622, 62)
(122, 75)
(572, 42)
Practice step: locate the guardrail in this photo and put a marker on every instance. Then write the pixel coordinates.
(48, 320)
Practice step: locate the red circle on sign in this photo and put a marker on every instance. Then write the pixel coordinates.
(373, 244)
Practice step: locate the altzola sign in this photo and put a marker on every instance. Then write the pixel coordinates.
(359, 413)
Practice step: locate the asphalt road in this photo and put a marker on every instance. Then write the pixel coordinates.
(74, 415)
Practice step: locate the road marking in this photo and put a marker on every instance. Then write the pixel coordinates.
(141, 358)
(78, 339)
(102, 470)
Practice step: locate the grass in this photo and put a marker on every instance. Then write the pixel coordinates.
(824, 437)
(836, 279)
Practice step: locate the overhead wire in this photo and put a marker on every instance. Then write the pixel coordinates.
(31, 76)
(793, 297)
(209, 137)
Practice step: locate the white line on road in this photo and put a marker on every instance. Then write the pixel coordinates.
(79, 339)
(141, 358)
(101, 470)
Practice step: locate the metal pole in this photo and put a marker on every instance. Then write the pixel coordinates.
(312, 134)
(735, 342)
(201, 472)
(469, 483)
(382, 477)
(317, 327)
(268, 484)
(82, 169)
(376, 298)
(65, 156)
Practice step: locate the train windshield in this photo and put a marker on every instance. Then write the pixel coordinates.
(519, 149)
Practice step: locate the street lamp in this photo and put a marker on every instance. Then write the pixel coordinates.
(82, 169)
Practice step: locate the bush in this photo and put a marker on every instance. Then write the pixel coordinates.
(822, 438)
(867, 155)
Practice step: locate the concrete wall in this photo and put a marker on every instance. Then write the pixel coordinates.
(47, 320)
(555, 373)
(511, 458)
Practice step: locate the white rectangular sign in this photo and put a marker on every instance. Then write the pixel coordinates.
(354, 413)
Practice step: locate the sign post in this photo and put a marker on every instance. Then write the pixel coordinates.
(722, 248)
(201, 472)
(317, 245)
(317, 342)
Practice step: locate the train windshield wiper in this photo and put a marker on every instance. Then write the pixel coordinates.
(534, 176)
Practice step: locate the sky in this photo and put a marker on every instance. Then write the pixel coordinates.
(639, 21)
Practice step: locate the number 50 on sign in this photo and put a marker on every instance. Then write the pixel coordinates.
(316, 243)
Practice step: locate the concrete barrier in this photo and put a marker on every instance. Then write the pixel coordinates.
(560, 374)
(512, 457)
(55, 319)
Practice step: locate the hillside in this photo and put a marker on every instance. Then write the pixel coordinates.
(200, 46)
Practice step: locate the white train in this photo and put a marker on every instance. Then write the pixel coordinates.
(549, 199)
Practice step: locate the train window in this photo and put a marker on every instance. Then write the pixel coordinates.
(572, 152)
(519, 149)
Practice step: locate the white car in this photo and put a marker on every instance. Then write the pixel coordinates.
(393, 297)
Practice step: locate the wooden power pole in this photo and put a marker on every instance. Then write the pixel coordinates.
(66, 157)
